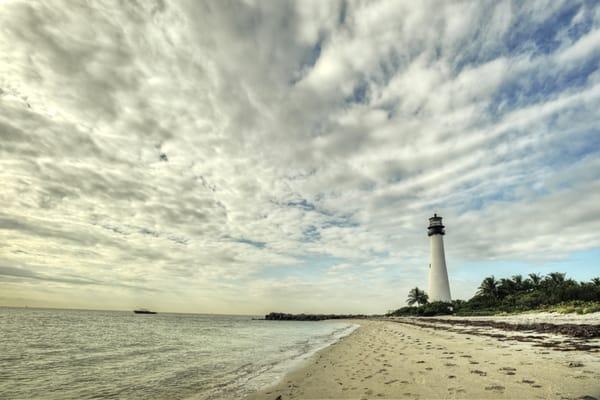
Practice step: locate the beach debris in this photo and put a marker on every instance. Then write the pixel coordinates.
(575, 330)
(575, 364)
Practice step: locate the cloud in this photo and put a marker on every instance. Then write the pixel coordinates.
(23, 273)
(214, 152)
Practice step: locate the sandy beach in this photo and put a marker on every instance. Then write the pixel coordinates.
(397, 359)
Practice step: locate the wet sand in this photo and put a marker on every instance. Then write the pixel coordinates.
(397, 359)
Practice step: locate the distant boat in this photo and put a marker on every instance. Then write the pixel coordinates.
(144, 311)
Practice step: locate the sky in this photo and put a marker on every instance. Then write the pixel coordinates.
(243, 157)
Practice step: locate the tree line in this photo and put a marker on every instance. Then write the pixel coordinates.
(551, 292)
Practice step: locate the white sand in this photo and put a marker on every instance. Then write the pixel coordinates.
(394, 360)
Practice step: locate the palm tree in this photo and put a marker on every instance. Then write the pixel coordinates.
(535, 280)
(418, 296)
(555, 279)
(506, 287)
(596, 281)
(488, 287)
(518, 283)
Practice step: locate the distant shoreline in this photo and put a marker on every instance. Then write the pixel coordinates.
(251, 316)
(278, 316)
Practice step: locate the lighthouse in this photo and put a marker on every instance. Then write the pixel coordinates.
(439, 288)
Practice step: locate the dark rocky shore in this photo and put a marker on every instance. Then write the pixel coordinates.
(574, 330)
(275, 316)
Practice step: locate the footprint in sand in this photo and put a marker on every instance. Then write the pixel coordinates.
(390, 382)
(451, 376)
(479, 372)
(528, 381)
(508, 370)
(420, 362)
(496, 388)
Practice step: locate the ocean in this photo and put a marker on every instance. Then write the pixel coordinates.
(77, 354)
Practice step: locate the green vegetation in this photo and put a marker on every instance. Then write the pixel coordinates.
(569, 307)
(551, 293)
(426, 310)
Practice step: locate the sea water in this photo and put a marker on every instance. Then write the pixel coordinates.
(75, 354)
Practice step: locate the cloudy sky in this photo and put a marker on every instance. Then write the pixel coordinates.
(252, 156)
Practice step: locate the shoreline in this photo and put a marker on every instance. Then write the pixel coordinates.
(396, 359)
(278, 371)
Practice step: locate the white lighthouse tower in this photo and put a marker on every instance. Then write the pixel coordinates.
(439, 288)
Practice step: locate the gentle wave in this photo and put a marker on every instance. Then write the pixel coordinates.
(69, 354)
